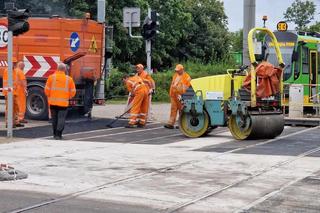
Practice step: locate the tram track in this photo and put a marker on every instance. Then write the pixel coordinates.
(215, 192)
(171, 169)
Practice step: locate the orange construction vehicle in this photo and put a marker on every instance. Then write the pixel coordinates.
(80, 43)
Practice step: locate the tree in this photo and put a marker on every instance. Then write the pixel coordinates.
(189, 29)
(236, 39)
(315, 27)
(206, 37)
(301, 13)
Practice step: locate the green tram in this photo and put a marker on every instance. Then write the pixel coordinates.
(301, 54)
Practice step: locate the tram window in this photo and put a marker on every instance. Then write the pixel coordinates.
(318, 64)
(297, 64)
(305, 60)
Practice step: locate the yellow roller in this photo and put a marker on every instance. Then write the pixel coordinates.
(194, 127)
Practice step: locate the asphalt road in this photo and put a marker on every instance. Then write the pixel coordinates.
(211, 174)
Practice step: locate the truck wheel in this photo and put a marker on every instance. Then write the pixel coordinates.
(37, 104)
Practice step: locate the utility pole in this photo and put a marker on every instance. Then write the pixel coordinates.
(101, 18)
(249, 19)
(148, 47)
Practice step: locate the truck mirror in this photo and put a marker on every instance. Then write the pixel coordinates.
(109, 54)
(295, 56)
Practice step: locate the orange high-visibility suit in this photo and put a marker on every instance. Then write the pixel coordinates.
(139, 92)
(59, 89)
(149, 82)
(179, 85)
(269, 78)
(21, 91)
(15, 94)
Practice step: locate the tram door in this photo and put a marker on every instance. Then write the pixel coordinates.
(313, 80)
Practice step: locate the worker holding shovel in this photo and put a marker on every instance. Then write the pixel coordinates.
(138, 91)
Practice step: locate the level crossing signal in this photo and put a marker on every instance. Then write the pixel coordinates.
(150, 26)
(17, 21)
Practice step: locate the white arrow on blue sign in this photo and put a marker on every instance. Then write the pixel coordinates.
(74, 41)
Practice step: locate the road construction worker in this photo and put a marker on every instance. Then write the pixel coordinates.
(22, 91)
(59, 89)
(15, 117)
(139, 92)
(179, 85)
(148, 81)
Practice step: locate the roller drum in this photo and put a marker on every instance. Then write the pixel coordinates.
(259, 127)
(266, 126)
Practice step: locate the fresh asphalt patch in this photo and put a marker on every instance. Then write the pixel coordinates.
(295, 198)
(10, 201)
(290, 146)
(72, 126)
(235, 144)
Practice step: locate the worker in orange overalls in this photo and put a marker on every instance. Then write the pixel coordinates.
(15, 117)
(139, 92)
(179, 85)
(59, 89)
(22, 91)
(149, 82)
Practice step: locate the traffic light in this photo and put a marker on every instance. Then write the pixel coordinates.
(150, 26)
(17, 21)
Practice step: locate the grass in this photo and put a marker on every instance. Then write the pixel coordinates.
(163, 79)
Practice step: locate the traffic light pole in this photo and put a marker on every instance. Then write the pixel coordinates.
(10, 87)
(148, 48)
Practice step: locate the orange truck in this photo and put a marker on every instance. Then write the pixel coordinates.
(77, 42)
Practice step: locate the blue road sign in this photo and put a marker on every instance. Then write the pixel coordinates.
(74, 41)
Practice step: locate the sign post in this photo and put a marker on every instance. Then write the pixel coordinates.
(10, 87)
(148, 48)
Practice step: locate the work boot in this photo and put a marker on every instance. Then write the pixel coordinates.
(141, 125)
(130, 126)
(14, 126)
(19, 125)
(24, 121)
(89, 115)
(168, 126)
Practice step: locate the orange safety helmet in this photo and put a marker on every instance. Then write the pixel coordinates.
(139, 66)
(179, 67)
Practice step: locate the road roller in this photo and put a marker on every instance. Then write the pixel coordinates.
(224, 100)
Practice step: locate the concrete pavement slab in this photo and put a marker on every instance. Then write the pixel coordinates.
(160, 176)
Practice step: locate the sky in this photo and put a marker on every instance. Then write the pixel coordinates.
(274, 9)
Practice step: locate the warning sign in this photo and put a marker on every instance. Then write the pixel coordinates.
(282, 26)
(3, 36)
(93, 45)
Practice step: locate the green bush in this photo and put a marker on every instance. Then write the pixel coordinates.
(163, 79)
